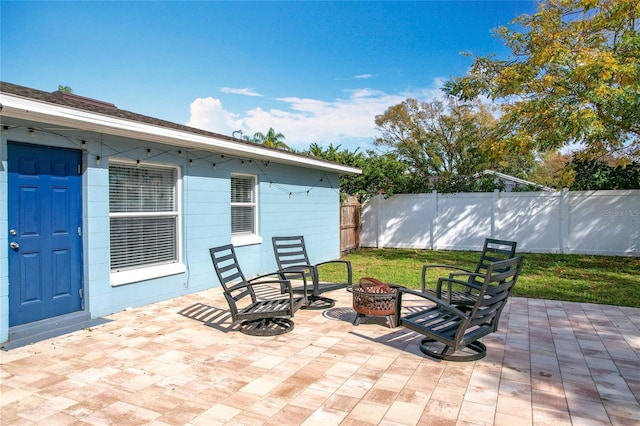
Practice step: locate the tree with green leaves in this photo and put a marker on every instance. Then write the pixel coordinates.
(445, 138)
(64, 89)
(591, 174)
(552, 170)
(271, 139)
(573, 77)
(381, 174)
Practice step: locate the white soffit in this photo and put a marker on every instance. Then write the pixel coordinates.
(59, 115)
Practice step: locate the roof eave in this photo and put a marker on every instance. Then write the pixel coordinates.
(33, 110)
(517, 180)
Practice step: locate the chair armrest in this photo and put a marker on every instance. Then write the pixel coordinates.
(285, 284)
(468, 274)
(260, 277)
(347, 264)
(240, 285)
(441, 303)
(297, 269)
(450, 281)
(427, 266)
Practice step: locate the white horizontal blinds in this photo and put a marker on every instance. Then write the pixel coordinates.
(142, 241)
(141, 189)
(143, 216)
(243, 204)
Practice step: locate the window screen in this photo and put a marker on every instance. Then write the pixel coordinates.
(243, 204)
(143, 215)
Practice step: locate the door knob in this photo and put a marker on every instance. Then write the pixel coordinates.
(14, 245)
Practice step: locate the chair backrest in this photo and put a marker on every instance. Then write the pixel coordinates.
(495, 251)
(498, 284)
(228, 270)
(290, 251)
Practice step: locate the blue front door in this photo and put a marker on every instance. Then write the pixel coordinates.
(45, 244)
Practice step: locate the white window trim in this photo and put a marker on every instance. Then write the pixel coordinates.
(155, 271)
(245, 239)
(146, 273)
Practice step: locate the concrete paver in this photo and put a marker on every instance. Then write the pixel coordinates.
(182, 362)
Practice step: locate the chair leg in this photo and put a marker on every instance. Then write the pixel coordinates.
(391, 321)
(356, 321)
(266, 326)
(478, 351)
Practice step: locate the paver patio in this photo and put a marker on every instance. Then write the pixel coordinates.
(177, 362)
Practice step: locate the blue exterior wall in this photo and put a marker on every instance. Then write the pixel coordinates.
(4, 245)
(291, 201)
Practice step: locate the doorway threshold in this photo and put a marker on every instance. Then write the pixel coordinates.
(26, 334)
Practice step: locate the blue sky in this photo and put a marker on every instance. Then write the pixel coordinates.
(314, 71)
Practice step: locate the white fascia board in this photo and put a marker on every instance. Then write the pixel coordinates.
(29, 109)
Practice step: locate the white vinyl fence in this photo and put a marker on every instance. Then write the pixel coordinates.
(585, 222)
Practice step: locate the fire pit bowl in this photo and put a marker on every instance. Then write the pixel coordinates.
(374, 298)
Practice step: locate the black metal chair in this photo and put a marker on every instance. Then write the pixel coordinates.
(265, 316)
(463, 294)
(291, 256)
(451, 334)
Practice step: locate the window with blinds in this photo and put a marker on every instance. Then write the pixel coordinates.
(143, 214)
(243, 204)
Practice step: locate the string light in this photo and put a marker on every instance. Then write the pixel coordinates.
(98, 159)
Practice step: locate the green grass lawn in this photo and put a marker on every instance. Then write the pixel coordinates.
(611, 280)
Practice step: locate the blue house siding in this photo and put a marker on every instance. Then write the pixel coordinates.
(296, 195)
(4, 245)
(291, 201)
(206, 222)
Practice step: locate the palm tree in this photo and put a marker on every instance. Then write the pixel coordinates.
(271, 139)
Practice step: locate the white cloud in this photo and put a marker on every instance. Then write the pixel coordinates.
(363, 76)
(244, 91)
(209, 114)
(307, 120)
(346, 121)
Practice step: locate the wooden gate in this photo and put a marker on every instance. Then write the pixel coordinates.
(349, 225)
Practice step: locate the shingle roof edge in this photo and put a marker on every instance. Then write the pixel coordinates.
(103, 108)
